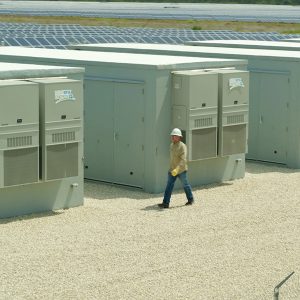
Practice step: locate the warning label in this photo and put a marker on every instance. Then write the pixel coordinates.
(63, 95)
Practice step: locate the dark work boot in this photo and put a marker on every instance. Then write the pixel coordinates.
(163, 205)
(190, 202)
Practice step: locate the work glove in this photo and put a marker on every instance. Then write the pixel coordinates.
(174, 172)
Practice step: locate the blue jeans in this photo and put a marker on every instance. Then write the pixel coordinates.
(170, 185)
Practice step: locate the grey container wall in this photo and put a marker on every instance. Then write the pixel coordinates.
(22, 191)
(274, 105)
(128, 115)
(271, 45)
(294, 40)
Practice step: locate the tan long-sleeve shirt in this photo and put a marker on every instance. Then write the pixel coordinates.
(178, 153)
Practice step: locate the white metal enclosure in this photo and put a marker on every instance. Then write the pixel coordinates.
(274, 89)
(28, 168)
(128, 115)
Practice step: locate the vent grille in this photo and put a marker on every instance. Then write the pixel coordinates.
(63, 137)
(235, 119)
(203, 122)
(204, 143)
(62, 161)
(19, 141)
(20, 166)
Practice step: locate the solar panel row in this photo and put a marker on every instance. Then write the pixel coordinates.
(62, 35)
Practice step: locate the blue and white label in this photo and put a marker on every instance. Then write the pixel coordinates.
(236, 83)
(63, 95)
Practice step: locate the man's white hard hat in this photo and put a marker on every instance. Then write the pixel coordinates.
(176, 131)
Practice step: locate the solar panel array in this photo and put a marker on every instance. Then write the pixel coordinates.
(60, 36)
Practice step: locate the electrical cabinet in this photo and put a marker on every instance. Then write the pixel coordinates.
(233, 111)
(128, 105)
(19, 132)
(61, 126)
(195, 111)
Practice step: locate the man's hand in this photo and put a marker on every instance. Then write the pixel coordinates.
(174, 172)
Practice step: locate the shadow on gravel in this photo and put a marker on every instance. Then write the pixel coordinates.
(257, 167)
(156, 208)
(107, 191)
(213, 186)
(31, 216)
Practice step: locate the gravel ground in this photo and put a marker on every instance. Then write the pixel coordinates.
(238, 241)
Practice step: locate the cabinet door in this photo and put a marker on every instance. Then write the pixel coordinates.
(129, 134)
(272, 118)
(253, 125)
(99, 130)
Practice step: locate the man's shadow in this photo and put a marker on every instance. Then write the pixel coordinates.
(155, 207)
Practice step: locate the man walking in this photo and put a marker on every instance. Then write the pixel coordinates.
(178, 168)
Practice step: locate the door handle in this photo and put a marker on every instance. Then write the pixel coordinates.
(261, 119)
(116, 135)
